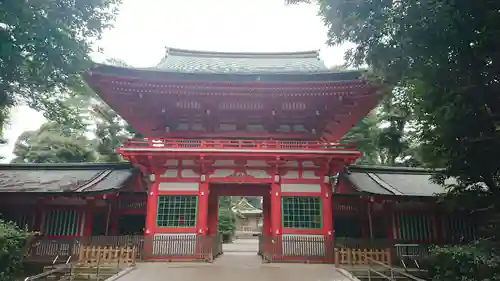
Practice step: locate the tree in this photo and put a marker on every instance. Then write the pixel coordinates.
(54, 143)
(397, 142)
(45, 45)
(110, 133)
(445, 55)
(365, 136)
(13, 241)
(227, 219)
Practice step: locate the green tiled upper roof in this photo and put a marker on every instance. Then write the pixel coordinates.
(187, 61)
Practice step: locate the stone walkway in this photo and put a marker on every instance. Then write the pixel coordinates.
(237, 264)
(242, 245)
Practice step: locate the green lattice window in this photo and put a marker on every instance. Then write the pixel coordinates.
(176, 211)
(301, 211)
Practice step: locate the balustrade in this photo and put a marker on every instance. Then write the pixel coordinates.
(234, 144)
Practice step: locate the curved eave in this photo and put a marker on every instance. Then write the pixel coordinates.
(158, 75)
(215, 54)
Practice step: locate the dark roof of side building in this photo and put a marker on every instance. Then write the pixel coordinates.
(189, 61)
(68, 177)
(398, 181)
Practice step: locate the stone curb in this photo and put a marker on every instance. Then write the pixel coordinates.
(120, 274)
(347, 274)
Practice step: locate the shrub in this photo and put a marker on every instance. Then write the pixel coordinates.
(474, 262)
(12, 249)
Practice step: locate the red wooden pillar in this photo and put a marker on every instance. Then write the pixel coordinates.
(203, 195)
(327, 220)
(213, 212)
(149, 229)
(114, 216)
(38, 216)
(203, 244)
(276, 223)
(439, 236)
(266, 212)
(151, 209)
(89, 217)
(326, 203)
(363, 216)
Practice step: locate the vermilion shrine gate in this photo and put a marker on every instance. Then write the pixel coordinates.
(234, 124)
(244, 124)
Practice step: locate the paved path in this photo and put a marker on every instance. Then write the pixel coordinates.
(240, 262)
(242, 245)
(237, 266)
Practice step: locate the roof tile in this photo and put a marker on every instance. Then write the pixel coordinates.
(188, 61)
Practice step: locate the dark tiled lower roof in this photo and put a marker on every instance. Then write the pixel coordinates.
(179, 60)
(50, 178)
(399, 181)
(164, 75)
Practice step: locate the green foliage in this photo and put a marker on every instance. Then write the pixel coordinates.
(54, 143)
(225, 203)
(365, 136)
(227, 219)
(44, 48)
(62, 143)
(12, 245)
(474, 262)
(227, 224)
(110, 132)
(444, 54)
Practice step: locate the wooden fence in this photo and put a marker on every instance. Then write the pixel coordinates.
(93, 255)
(43, 249)
(341, 251)
(163, 246)
(309, 248)
(347, 256)
(191, 246)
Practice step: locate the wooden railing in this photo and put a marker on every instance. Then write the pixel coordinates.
(235, 144)
(60, 249)
(393, 273)
(106, 254)
(61, 272)
(299, 248)
(349, 251)
(181, 247)
(166, 247)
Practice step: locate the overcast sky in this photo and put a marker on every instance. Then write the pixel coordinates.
(144, 28)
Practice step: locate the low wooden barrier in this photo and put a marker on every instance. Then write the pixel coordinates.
(353, 256)
(304, 248)
(393, 273)
(46, 249)
(107, 255)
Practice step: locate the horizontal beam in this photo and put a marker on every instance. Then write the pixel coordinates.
(239, 150)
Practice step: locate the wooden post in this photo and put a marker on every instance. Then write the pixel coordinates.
(370, 222)
(108, 217)
(276, 209)
(203, 194)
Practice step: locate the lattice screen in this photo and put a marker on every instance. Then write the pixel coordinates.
(301, 211)
(61, 222)
(415, 227)
(459, 228)
(177, 211)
